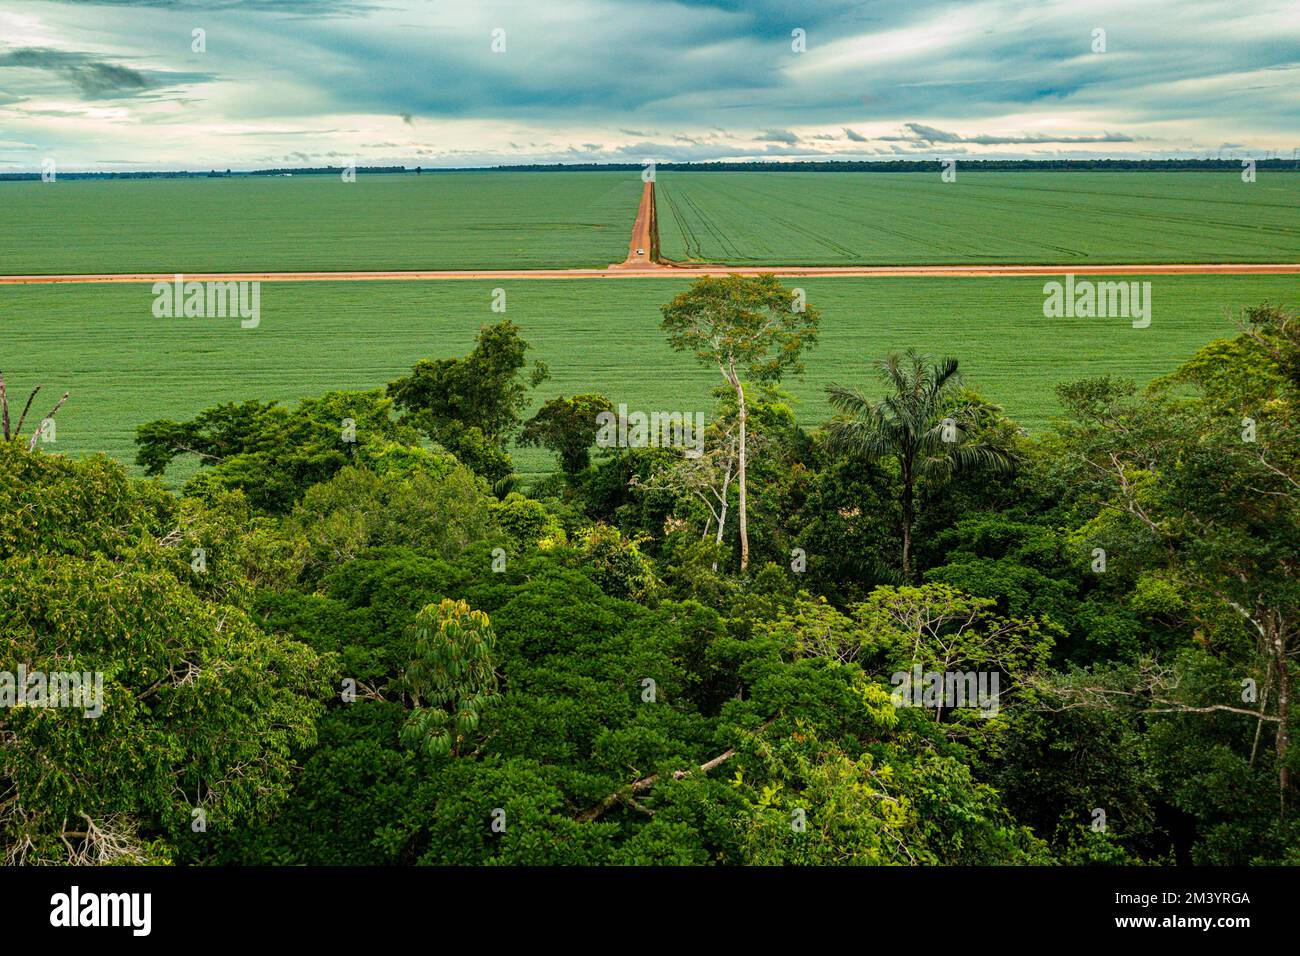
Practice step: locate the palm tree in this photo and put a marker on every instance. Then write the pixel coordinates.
(923, 424)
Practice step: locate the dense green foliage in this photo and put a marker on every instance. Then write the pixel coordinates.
(568, 427)
(471, 405)
(335, 651)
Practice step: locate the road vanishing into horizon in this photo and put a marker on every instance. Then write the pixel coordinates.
(642, 263)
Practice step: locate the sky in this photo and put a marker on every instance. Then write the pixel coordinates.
(121, 85)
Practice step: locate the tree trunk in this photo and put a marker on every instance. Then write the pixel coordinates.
(722, 524)
(907, 525)
(1259, 724)
(4, 406)
(744, 514)
(1284, 715)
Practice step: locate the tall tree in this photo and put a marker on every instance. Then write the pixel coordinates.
(567, 426)
(471, 405)
(926, 423)
(481, 390)
(748, 325)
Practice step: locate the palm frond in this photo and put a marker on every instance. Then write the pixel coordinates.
(849, 401)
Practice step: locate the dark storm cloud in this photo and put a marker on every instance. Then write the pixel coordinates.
(776, 136)
(96, 77)
(929, 135)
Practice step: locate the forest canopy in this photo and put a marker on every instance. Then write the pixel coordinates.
(911, 634)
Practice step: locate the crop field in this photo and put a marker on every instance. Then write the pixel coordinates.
(833, 219)
(282, 224)
(124, 367)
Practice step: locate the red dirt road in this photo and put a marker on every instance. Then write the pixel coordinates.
(643, 262)
(662, 271)
(643, 247)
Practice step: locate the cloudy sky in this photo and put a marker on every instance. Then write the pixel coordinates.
(120, 85)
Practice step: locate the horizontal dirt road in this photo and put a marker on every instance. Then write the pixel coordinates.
(643, 262)
(661, 271)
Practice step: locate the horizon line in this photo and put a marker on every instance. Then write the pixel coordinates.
(1276, 162)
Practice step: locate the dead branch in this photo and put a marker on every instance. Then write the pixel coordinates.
(647, 783)
(23, 417)
(50, 417)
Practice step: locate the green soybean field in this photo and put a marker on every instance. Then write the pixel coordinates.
(123, 366)
(780, 218)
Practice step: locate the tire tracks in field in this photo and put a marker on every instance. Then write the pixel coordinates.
(689, 242)
(804, 230)
(719, 236)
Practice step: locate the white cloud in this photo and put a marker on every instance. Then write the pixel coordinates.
(603, 79)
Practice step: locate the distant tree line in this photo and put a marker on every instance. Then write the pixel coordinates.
(920, 165)
(818, 166)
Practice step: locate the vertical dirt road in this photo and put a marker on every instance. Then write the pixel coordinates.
(643, 262)
(643, 249)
